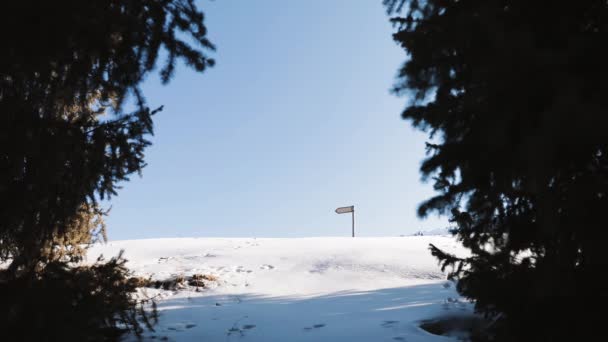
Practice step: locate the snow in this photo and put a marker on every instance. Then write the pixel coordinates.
(437, 231)
(297, 289)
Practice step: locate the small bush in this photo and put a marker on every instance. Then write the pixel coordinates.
(141, 282)
(208, 277)
(198, 280)
(178, 282)
(169, 284)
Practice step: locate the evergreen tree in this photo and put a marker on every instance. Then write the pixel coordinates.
(66, 140)
(513, 95)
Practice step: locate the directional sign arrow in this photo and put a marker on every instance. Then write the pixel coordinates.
(344, 210)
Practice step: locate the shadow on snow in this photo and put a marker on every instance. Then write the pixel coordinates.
(391, 314)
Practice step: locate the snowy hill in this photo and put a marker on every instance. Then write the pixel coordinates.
(300, 289)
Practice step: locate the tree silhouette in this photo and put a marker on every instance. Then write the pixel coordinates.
(512, 94)
(66, 140)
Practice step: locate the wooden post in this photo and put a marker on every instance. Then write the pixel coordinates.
(344, 210)
(353, 212)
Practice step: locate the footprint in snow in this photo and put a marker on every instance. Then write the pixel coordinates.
(389, 324)
(316, 326)
(241, 269)
(181, 326)
(266, 267)
(240, 331)
(164, 259)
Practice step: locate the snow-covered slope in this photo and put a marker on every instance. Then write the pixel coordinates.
(305, 289)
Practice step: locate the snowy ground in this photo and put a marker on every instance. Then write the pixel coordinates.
(304, 289)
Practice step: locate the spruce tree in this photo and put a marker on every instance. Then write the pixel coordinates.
(73, 125)
(513, 96)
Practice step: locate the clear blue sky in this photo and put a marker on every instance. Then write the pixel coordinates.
(295, 120)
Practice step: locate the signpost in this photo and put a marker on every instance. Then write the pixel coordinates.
(344, 210)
